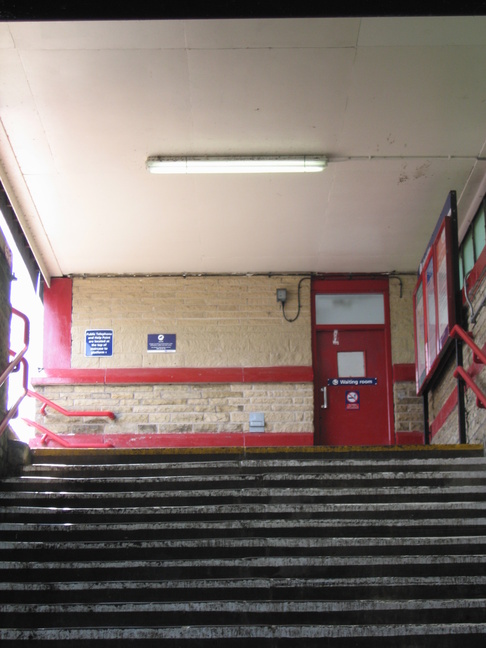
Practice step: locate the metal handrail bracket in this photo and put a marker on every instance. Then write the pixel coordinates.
(480, 397)
(14, 365)
(48, 403)
(48, 434)
(478, 356)
(12, 412)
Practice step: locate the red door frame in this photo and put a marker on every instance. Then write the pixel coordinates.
(323, 285)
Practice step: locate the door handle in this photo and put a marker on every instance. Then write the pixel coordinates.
(324, 397)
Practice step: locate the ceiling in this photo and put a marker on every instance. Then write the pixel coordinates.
(398, 105)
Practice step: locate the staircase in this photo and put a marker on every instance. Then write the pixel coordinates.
(314, 547)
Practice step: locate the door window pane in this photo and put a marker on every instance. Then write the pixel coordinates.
(364, 308)
(351, 364)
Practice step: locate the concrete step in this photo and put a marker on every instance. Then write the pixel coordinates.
(373, 512)
(342, 548)
(154, 482)
(275, 588)
(229, 612)
(236, 547)
(401, 635)
(267, 465)
(284, 493)
(433, 564)
(107, 456)
(251, 528)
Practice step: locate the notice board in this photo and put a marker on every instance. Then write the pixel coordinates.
(435, 295)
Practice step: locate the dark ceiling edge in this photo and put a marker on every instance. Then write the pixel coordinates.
(58, 10)
(19, 238)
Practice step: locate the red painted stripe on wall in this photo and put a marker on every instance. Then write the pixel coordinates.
(476, 367)
(57, 323)
(444, 414)
(404, 372)
(410, 438)
(175, 375)
(278, 374)
(193, 440)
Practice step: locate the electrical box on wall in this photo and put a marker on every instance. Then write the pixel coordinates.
(257, 422)
(282, 295)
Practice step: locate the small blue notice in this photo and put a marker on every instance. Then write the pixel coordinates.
(99, 342)
(161, 343)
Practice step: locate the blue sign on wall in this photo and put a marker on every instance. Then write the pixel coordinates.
(161, 343)
(99, 342)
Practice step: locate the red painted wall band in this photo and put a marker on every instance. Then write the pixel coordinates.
(404, 372)
(175, 375)
(193, 440)
(57, 323)
(443, 414)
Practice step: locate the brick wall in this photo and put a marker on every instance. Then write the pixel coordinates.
(444, 419)
(401, 318)
(476, 416)
(409, 410)
(443, 411)
(203, 408)
(219, 322)
(408, 407)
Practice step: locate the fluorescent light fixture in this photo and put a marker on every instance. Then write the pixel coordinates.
(249, 164)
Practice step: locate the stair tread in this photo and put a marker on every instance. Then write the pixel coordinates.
(253, 466)
(245, 606)
(292, 542)
(433, 490)
(260, 583)
(262, 480)
(236, 525)
(278, 547)
(253, 562)
(201, 632)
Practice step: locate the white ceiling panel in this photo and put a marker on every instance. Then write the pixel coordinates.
(397, 104)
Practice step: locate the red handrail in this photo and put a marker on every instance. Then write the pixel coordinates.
(48, 403)
(480, 397)
(63, 442)
(12, 412)
(458, 332)
(14, 365)
(478, 356)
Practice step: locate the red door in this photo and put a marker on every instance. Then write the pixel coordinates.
(353, 391)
